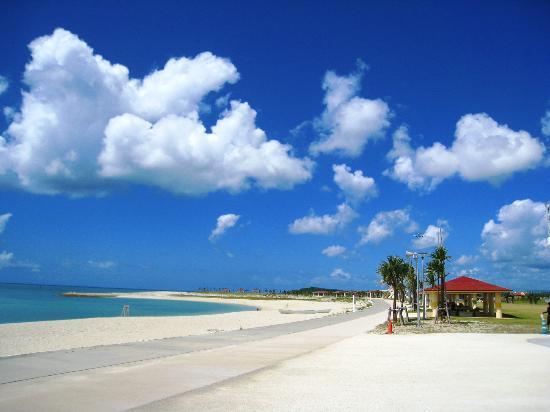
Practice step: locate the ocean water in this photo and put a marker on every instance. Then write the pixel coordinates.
(31, 303)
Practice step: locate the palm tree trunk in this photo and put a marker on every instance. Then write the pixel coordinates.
(395, 292)
(442, 312)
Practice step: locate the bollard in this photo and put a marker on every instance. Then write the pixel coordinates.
(390, 328)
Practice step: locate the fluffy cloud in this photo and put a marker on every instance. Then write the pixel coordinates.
(518, 236)
(334, 250)
(323, 225)
(340, 274)
(545, 123)
(199, 162)
(4, 84)
(348, 121)
(482, 150)
(6, 259)
(384, 224)
(354, 185)
(104, 264)
(223, 223)
(469, 272)
(432, 234)
(9, 113)
(465, 260)
(85, 126)
(222, 101)
(4, 221)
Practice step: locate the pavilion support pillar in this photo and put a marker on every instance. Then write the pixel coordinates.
(485, 304)
(491, 304)
(498, 305)
(433, 302)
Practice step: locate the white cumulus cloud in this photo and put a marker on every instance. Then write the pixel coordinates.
(223, 223)
(545, 124)
(9, 113)
(354, 185)
(334, 250)
(6, 259)
(4, 84)
(102, 264)
(384, 224)
(340, 274)
(4, 221)
(518, 235)
(325, 224)
(348, 121)
(469, 272)
(199, 162)
(432, 235)
(222, 101)
(85, 127)
(465, 260)
(483, 150)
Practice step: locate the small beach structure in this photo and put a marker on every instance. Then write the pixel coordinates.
(321, 293)
(343, 293)
(466, 291)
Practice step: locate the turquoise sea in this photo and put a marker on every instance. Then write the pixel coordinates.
(31, 303)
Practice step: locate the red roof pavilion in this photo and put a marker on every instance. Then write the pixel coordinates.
(467, 284)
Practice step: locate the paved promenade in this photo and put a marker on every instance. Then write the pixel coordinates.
(121, 377)
(427, 372)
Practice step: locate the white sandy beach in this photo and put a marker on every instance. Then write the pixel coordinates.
(31, 337)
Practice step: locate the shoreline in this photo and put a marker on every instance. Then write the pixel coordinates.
(45, 336)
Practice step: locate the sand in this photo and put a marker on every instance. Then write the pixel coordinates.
(31, 337)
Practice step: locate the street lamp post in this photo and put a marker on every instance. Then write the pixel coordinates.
(423, 293)
(415, 256)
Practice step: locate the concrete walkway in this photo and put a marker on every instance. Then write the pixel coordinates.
(431, 372)
(120, 377)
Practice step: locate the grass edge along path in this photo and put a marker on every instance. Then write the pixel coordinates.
(517, 318)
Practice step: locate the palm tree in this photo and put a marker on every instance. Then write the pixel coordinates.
(439, 257)
(393, 272)
(411, 283)
(431, 273)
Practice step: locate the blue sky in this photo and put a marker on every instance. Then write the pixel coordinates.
(273, 145)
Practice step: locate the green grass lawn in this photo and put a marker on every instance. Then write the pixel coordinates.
(517, 317)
